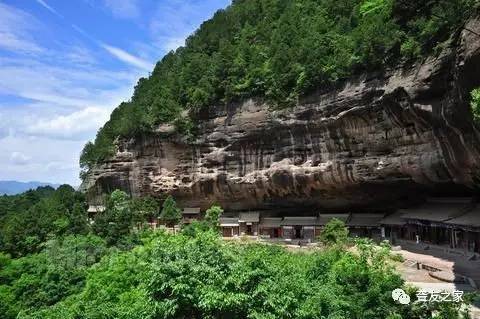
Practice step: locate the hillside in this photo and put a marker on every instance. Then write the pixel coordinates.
(278, 50)
(16, 187)
(390, 134)
(279, 165)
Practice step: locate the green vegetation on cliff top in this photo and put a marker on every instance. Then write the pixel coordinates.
(55, 264)
(279, 50)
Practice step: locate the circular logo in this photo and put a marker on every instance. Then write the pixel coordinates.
(400, 296)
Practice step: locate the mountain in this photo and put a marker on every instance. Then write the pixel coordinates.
(16, 187)
(280, 51)
(269, 110)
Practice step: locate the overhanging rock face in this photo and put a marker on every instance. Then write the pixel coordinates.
(377, 140)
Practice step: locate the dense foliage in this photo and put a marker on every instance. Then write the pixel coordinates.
(178, 276)
(47, 243)
(475, 104)
(334, 233)
(114, 269)
(40, 280)
(279, 50)
(170, 213)
(29, 219)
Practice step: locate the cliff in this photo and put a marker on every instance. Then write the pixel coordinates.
(378, 140)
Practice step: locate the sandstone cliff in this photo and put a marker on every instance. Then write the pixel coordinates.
(380, 139)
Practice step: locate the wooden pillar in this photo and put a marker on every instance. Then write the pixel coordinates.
(451, 240)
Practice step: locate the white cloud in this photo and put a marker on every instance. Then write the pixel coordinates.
(76, 125)
(15, 28)
(126, 57)
(49, 8)
(18, 158)
(118, 53)
(81, 31)
(125, 9)
(74, 85)
(173, 21)
(80, 55)
(11, 42)
(54, 98)
(50, 160)
(171, 44)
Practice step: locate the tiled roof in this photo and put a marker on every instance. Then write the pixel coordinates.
(323, 219)
(299, 221)
(437, 210)
(271, 222)
(191, 210)
(249, 217)
(394, 219)
(469, 219)
(365, 220)
(96, 208)
(228, 221)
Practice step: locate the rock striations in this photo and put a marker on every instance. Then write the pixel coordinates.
(379, 139)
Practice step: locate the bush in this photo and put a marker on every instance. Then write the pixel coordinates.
(475, 104)
(170, 214)
(212, 216)
(178, 276)
(397, 257)
(334, 233)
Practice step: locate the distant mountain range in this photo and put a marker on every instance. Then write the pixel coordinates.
(15, 187)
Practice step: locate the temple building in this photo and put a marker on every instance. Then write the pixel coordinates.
(248, 223)
(299, 227)
(453, 223)
(428, 221)
(230, 226)
(93, 210)
(190, 214)
(394, 227)
(465, 231)
(365, 225)
(271, 227)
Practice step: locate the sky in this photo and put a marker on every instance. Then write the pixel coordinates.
(65, 65)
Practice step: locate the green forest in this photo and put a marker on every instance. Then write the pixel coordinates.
(57, 261)
(54, 263)
(278, 50)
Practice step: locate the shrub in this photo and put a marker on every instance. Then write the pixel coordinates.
(335, 232)
(170, 214)
(475, 104)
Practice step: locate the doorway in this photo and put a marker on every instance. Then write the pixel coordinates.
(276, 232)
(298, 232)
(227, 231)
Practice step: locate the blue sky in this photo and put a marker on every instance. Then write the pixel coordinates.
(64, 66)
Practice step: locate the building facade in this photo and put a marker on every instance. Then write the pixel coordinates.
(453, 223)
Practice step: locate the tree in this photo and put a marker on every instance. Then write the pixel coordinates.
(170, 214)
(78, 220)
(279, 50)
(374, 6)
(180, 276)
(28, 219)
(212, 216)
(475, 104)
(144, 209)
(42, 279)
(335, 232)
(116, 222)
